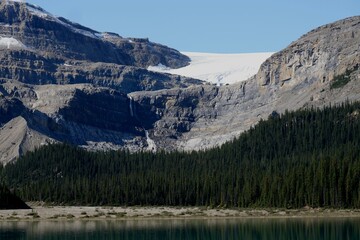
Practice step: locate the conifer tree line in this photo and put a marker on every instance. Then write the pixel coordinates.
(309, 157)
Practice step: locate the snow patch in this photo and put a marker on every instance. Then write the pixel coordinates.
(159, 68)
(218, 68)
(38, 12)
(107, 35)
(5, 25)
(10, 43)
(99, 35)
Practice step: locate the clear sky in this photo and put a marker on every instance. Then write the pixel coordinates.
(218, 26)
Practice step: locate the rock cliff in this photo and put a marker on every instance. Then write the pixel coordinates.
(99, 95)
(39, 48)
(299, 76)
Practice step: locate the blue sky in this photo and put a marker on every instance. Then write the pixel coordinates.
(221, 26)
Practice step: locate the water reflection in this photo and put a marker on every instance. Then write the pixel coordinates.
(185, 229)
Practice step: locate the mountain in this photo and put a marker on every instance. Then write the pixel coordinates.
(50, 67)
(63, 82)
(38, 48)
(26, 26)
(300, 76)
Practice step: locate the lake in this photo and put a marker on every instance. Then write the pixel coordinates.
(311, 228)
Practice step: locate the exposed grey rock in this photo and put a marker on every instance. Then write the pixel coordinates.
(60, 38)
(296, 77)
(39, 48)
(51, 95)
(32, 68)
(17, 138)
(317, 56)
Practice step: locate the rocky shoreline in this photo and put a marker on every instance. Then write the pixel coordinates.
(66, 213)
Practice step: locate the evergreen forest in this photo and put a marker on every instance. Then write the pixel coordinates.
(309, 157)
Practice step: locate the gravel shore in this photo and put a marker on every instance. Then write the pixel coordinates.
(40, 213)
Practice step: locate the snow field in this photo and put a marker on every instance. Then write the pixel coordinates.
(218, 68)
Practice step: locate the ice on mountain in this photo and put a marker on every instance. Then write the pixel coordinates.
(218, 69)
(10, 43)
(159, 68)
(38, 11)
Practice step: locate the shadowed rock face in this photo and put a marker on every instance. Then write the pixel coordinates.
(104, 109)
(99, 97)
(10, 108)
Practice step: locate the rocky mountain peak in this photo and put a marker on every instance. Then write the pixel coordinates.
(41, 31)
(321, 54)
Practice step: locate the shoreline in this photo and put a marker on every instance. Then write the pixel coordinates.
(85, 213)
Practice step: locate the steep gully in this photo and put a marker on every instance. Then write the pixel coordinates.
(150, 143)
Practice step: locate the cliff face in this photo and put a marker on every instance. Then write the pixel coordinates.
(39, 48)
(299, 76)
(60, 81)
(31, 68)
(99, 96)
(318, 55)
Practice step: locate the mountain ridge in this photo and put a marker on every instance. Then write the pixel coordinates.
(19, 17)
(298, 76)
(105, 105)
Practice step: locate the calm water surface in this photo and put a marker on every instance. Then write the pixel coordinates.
(186, 229)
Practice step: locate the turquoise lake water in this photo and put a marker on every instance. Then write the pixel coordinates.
(337, 228)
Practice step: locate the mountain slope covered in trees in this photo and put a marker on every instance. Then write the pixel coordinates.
(304, 158)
